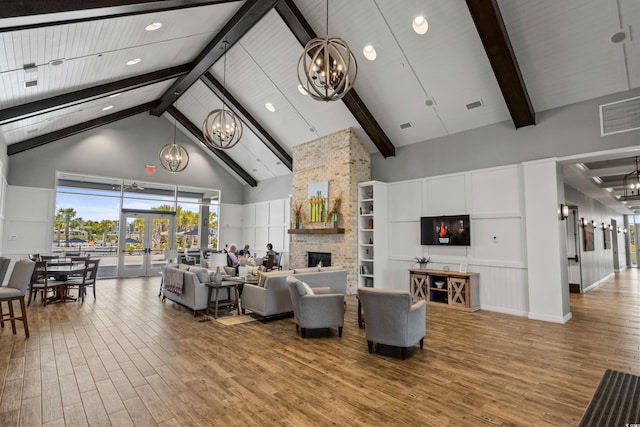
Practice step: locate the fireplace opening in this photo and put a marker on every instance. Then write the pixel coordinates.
(314, 258)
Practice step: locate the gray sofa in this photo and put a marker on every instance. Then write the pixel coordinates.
(270, 297)
(194, 292)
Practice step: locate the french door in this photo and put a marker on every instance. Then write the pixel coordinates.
(144, 238)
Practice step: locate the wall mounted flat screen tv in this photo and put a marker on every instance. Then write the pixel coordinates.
(448, 230)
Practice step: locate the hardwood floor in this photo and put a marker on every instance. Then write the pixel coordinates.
(130, 359)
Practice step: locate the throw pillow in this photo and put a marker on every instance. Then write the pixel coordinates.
(308, 288)
(201, 273)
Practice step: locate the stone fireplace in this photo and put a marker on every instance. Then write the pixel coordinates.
(341, 159)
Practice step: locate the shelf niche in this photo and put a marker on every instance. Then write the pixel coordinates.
(316, 231)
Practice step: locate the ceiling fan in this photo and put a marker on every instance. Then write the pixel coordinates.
(134, 186)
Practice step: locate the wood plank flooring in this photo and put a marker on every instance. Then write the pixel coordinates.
(130, 359)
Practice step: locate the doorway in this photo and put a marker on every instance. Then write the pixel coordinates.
(143, 239)
(573, 250)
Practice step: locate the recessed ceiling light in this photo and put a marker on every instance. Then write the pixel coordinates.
(369, 52)
(269, 106)
(420, 25)
(302, 90)
(115, 94)
(153, 27)
(108, 107)
(134, 61)
(618, 37)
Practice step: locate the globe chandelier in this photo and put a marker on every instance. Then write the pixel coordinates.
(174, 157)
(327, 68)
(221, 128)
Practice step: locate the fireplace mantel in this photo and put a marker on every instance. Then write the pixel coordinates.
(316, 231)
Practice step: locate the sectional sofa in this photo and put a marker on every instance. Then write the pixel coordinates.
(270, 297)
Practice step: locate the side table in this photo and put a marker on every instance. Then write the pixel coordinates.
(229, 303)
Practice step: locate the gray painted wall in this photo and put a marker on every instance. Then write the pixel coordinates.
(121, 150)
(276, 188)
(570, 130)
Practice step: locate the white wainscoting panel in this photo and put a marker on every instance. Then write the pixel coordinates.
(276, 238)
(231, 231)
(398, 275)
(28, 223)
(276, 212)
(405, 201)
(249, 215)
(445, 195)
(497, 241)
(261, 239)
(504, 290)
(404, 239)
(248, 237)
(263, 212)
(496, 190)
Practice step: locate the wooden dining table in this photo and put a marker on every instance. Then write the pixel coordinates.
(61, 271)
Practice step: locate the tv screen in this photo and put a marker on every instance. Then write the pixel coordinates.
(448, 230)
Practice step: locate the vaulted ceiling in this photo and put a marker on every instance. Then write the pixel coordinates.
(62, 63)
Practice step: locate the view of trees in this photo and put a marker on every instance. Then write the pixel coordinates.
(104, 231)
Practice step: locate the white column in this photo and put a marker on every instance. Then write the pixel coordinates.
(546, 241)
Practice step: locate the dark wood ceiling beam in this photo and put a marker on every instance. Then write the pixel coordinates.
(301, 29)
(38, 141)
(43, 13)
(249, 121)
(196, 132)
(495, 39)
(249, 14)
(23, 111)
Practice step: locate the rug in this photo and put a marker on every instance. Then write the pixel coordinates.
(231, 320)
(616, 401)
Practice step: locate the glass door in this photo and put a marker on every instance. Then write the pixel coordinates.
(144, 238)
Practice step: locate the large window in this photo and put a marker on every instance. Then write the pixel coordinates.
(88, 212)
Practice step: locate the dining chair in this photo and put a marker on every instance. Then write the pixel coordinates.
(34, 257)
(40, 281)
(16, 290)
(88, 279)
(4, 267)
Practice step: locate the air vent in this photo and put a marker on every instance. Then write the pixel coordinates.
(474, 104)
(620, 116)
(30, 68)
(405, 125)
(31, 83)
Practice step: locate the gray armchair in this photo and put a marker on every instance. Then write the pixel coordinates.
(391, 319)
(315, 310)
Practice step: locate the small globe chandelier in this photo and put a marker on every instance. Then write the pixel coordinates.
(221, 128)
(327, 68)
(174, 157)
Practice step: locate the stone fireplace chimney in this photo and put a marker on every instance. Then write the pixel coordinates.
(341, 159)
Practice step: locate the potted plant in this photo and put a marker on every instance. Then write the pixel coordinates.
(422, 261)
(297, 214)
(334, 213)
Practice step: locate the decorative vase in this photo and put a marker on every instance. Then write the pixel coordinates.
(297, 223)
(217, 277)
(334, 218)
(423, 266)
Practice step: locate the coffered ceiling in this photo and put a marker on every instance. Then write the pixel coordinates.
(542, 54)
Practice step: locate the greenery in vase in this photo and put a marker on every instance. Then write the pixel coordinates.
(422, 261)
(297, 214)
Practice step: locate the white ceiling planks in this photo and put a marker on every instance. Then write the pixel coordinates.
(60, 119)
(278, 67)
(564, 51)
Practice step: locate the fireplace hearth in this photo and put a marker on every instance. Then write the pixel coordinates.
(314, 258)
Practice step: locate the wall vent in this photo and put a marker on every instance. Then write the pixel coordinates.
(31, 83)
(30, 68)
(620, 116)
(405, 125)
(475, 104)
